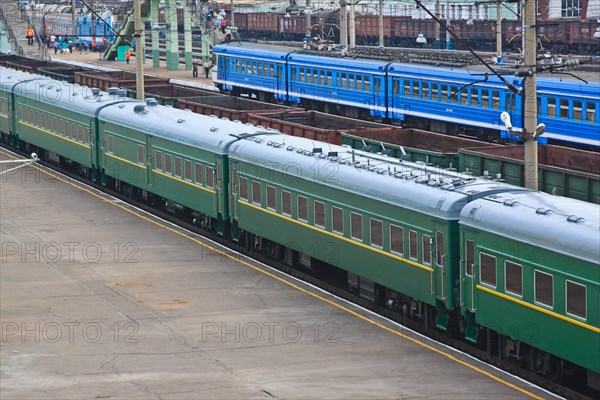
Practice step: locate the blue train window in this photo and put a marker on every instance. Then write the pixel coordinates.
(329, 78)
(487, 264)
(406, 88)
(367, 83)
(495, 99)
(395, 86)
(244, 189)
(576, 299)
(513, 278)
(425, 90)
(485, 99)
(590, 112)
(577, 114)
(544, 288)
(377, 84)
(435, 92)
(474, 98)
(564, 109)
(286, 202)
(551, 107)
(359, 82)
(293, 75)
(397, 239)
(453, 94)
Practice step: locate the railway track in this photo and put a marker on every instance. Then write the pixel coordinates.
(332, 286)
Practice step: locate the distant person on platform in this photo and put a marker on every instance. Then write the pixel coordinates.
(127, 56)
(55, 46)
(207, 67)
(93, 45)
(29, 35)
(195, 69)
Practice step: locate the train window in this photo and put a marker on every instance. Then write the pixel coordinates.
(488, 269)
(426, 243)
(337, 216)
(322, 77)
(359, 82)
(86, 138)
(577, 110)
(344, 78)
(236, 66)
(397, 239)
(495, 100)
(564, 108)
(425, 89)
(439, 248)
(55, 125)
(413, 247)
(301, 74)
(243, 67)
(435, 92)
(576, 299)
(453, 95)
(367, 83)
(254, 68)
(469, 256)
(316, 76)
(351, 81)
(272, 70)
(376, 232)
(551, 107)
(110, 144)
(513, 278)
(415, 89)
(474, 98)
(178, 167)
(256, 195)
(158, 161)
(485, 99)
(140, 160)
(271, 200)
(329, 78)
(294, 70)
(319, 213)
(395, 86)
(286, 202)
(406, 88)
(463, 97)
(168, 164)
(61, 126)
(198, 175)
(590, 112)
(80, 133)
(544, 291)
(302, 208)
(445, 90)
(356, 226)
(244, 188)
(309, 75)
(260, 69)
(510, 102)
(210, 177)
(187, 171)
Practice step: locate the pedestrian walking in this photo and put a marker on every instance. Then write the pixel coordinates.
(93, 45)
(55, 46)
(127, 56)
(207, 66)
(195, 69)
(29, 35)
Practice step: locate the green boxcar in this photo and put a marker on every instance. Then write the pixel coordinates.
(535, 280)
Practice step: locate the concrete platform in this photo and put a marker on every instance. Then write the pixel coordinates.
(101, 301)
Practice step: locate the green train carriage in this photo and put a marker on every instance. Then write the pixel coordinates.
(531, 273)
(391, 225)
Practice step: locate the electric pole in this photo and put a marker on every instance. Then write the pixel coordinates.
(530, 96)
(139, 50)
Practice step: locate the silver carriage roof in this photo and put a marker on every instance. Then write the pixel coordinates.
(73, 97)
(183, 126)
(434, 191)
(554, 223)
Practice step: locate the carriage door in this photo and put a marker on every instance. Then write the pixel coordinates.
(467, 272)
(220, 204)
(439, 262)
(149, 160)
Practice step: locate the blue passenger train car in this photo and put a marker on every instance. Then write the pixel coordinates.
(453, 101)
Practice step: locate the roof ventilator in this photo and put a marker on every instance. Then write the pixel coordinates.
(510, 202)
(151, 102)
(139, 108)
(122, 93)
(111, 90)
(575, 219)
(95, 91)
